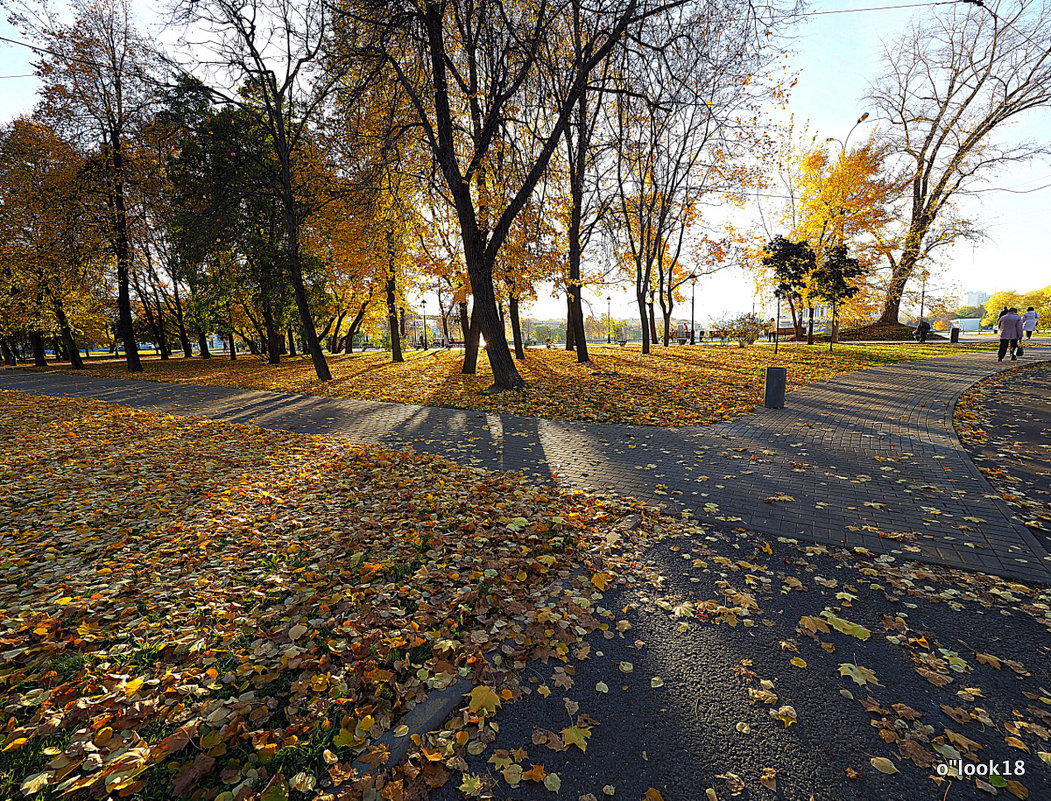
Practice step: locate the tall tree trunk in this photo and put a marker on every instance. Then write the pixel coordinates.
(516, 327)
(444, 313)
(899, 276)
(797, 319)
(354, 324)
(575, 320)
(152, 320)
(392, 314)
(162, 342)
(333, 343)
(810, 326)
(571, 325)
(489, 324)
(156, 322)
(291, 342)
(310, 340)
(122, 252)
(36, 342)
(184, 337)
(202, 343)
(472, 344)
(67, 335)
(653, 322)
(645, 323)
(667, 326)
(8, 350)
(575, 313)
(230, 324)
(465, 321)
(273, 339)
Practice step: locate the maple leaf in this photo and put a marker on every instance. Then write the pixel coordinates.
(471, 785)
(535, 774)
(601, 580)
(860, 675)
(483, 698)
(813, 624)
(576, 735)
(845, 626)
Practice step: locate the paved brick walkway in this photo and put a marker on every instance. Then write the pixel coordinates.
(869, 459)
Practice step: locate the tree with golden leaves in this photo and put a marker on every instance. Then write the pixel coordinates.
(96, 87)
(52, 243)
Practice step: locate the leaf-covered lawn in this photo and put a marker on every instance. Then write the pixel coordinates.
(197, 607)
(690, 385)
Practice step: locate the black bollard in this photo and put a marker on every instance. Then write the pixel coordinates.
(776, 382)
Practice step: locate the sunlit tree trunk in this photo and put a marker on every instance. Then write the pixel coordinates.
(67, 335)
(393, 323)
(516, 327)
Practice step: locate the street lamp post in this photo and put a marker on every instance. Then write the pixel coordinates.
(777, 321)
(424, 323)
(844, 140)
(609, 320)
(923, 293)
(693, 306)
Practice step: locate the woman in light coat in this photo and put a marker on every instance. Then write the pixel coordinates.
(1029, 322)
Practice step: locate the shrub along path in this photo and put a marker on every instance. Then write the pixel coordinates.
(868, 459)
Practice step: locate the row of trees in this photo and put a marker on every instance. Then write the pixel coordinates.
(302, 167)
(1039, 299)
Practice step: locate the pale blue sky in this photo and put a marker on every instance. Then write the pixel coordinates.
(836, 55)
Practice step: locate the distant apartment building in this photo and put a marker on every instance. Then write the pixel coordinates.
(975, 298)
(822, 318)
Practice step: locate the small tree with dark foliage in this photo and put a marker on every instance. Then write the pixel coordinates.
(832, 281)
(791, 263)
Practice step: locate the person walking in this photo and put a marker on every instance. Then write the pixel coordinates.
(1003, 311)
(1029, 322)
(1010, 326)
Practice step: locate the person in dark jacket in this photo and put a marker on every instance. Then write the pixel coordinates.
(922, 329)
(1010, 326)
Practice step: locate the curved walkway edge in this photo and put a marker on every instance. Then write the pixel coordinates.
(866, 460)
